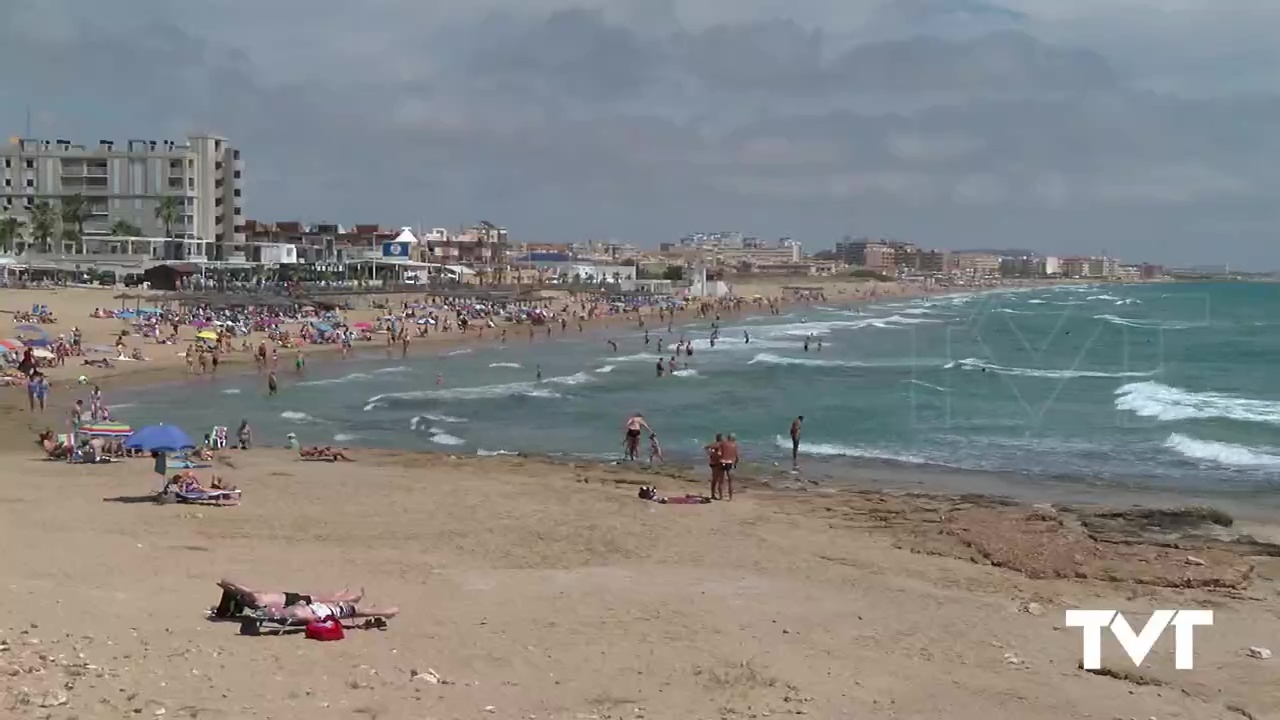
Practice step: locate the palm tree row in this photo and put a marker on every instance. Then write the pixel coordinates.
(45, 222)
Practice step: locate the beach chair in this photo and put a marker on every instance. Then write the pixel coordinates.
(218, 437)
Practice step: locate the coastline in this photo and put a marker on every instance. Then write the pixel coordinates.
(543, 587)
(549, 590)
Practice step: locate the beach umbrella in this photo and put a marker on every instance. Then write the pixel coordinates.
(12, 345)
(362, 325)
(29, 328)
(161, 438)
(200, 323)
(111, 429)
(207, 335)
(41, 353)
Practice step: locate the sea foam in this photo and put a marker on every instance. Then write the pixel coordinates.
(1166, 403)
(1220, 452)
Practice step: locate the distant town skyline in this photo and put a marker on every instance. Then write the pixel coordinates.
(965, 123)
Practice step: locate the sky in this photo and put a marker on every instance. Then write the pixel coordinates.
(1146, 129)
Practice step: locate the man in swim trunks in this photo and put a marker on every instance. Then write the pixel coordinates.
(237, 597)
(728, 461)
(635, 425)
(290, 607)
(795, 440)
(713, 461)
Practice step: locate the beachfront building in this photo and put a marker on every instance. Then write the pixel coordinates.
(1090, 267)
(201, 179)
(974, 265)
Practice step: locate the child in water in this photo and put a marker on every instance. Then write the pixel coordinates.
(655, 450)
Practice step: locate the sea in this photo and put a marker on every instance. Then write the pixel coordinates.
(1166, 389)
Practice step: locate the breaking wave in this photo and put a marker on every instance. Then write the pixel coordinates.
(1166, 403)
(976, 364)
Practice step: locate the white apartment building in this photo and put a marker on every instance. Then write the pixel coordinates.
(128, 181)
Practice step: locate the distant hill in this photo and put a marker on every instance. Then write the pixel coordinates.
(1008, 252)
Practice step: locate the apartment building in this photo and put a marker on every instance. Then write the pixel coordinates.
(975, 265)
(128, 181)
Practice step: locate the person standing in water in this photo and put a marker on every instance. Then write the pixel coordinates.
(795, 440)
(272, 385)
(539, 373)
(635, 425)
(660, 367)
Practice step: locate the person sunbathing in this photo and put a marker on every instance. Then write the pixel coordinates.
(237, 597)
(53, 445)
(186, 482)
(327, 452)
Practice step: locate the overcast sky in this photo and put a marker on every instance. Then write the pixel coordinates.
(1146, 128)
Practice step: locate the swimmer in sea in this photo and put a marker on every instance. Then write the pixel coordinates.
(272, 386)
(746, 337)
(613, 345)
(660, 368)
(539, 373)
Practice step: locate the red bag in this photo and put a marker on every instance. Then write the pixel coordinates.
(328, 629)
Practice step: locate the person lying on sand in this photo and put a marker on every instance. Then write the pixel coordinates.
(327, 452)
(237, 597)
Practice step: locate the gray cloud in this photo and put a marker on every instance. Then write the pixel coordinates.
(643, 120)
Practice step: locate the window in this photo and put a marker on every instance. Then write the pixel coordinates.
(8, 182)
(191, 183)
(236, 175)
(31, 164)
(237, 212)
(8, 163)
(31, 182)
(237, 192)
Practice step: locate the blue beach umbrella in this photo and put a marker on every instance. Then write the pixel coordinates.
(161, 438)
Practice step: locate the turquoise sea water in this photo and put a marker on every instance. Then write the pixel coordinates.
(1169, 387)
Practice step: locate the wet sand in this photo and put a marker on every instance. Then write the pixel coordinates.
(534, 589)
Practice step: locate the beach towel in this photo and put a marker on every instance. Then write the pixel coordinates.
(216, 497)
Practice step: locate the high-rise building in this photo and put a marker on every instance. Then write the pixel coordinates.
(128, 181)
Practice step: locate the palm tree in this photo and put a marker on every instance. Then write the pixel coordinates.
(44, 224)
(10, 233)
(75, 210)
(124, 228)
(167, 211)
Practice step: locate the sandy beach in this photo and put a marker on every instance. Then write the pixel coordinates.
(534, 589)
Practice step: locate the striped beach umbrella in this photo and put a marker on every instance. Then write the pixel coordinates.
(11, 345)
(112, 429)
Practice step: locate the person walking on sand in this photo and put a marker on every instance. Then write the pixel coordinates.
(795, 440)
(728, 461)
(713, 461)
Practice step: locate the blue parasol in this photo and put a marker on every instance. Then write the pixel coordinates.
(162, 438)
